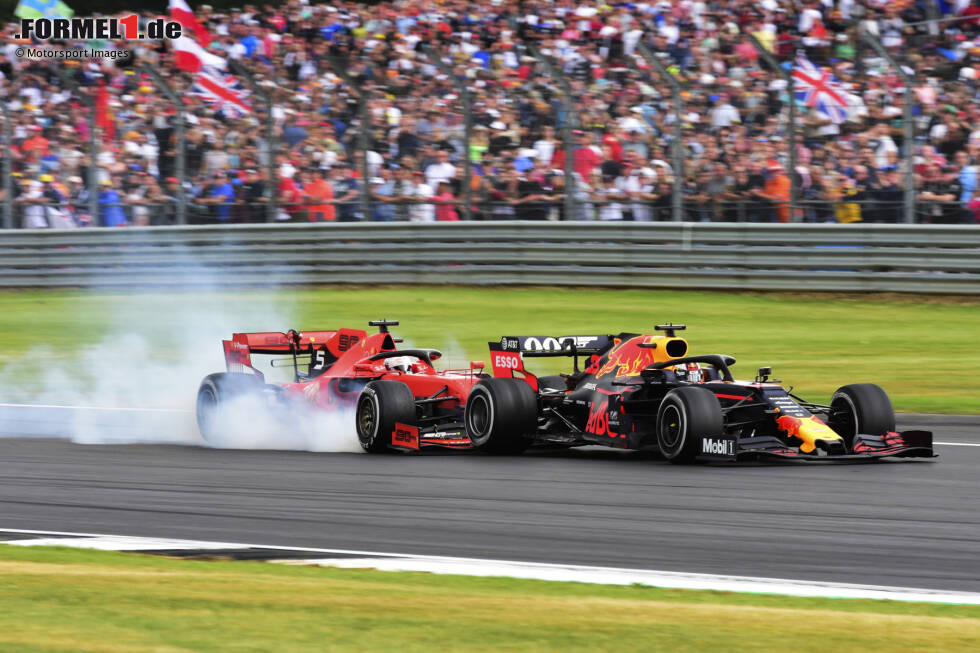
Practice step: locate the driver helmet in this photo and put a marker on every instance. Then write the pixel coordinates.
(399, 363)
(694, 374)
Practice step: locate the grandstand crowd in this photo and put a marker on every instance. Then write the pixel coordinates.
(734, 117)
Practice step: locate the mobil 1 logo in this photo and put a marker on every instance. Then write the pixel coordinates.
(717, 448)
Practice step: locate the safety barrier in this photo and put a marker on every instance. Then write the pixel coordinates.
(802, 257)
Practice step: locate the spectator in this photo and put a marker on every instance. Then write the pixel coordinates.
(138, 201)
(940, 196)
(165, 213)
(532, 198)
(346, 190)
(440, 171)
(253, 195)
(290, 199)
(34, 201)
(78, 201)
(383, 192)
(973, 206)
(586, 156)
(967, 175)
(888, 196)
(319, 192)
(404, 192)
(608, 197)
(221, 196)
(110, 205)
(423, 211)
(445, 212)
(777, 190)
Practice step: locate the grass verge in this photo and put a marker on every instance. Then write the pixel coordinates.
(61, 599)
(922, 350)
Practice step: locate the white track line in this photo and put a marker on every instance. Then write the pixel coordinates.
(516, 569)
(959, 444)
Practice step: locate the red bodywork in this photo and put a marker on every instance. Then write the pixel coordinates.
(347, 365)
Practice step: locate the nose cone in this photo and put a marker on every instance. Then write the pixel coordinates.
(809, 430)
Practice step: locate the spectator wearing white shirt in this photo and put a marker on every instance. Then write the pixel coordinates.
(724, 114)
(423, 190)
(545, 147)
(440, 171)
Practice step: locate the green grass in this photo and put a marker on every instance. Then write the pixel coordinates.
(59, 599)
(923, 351)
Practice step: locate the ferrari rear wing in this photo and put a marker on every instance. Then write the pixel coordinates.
(239, 349)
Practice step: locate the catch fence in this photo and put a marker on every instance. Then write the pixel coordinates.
(478, 189)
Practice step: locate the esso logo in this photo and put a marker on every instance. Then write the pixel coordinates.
(509, 362)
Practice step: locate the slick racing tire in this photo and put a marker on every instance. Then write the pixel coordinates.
(218, 389)
(381, 405)
(860, 408)
(686, 415)
(501, 414)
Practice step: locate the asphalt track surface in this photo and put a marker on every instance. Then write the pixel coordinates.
(913, 524)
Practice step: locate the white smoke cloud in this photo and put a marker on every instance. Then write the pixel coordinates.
(139, 383)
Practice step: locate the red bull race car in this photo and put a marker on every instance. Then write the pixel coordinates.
(645, 392)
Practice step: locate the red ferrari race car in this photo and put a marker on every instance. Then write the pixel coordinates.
(342, 369)
(645, 392)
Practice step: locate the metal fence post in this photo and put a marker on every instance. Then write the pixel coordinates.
(794, 186)
(178, 101)
(8, 180)
(464, 94)
(271, 145)
(364, 115)
(677, 147)
(93, 144)
(908, 126)
(570, 120)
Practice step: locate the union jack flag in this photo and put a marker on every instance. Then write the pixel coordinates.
(224, 93)
(818, 88)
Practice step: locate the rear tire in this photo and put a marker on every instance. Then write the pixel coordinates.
(686, 415)
(501, 414)
(218, 389)
(380, 406)
(860, 408)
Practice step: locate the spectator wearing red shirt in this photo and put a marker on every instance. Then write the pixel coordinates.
(585, 156)
(37, 145)
(445, 212)
(290, 198)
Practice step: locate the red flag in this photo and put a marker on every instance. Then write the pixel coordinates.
(103, 119)
(181, 12)
(191, 57)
